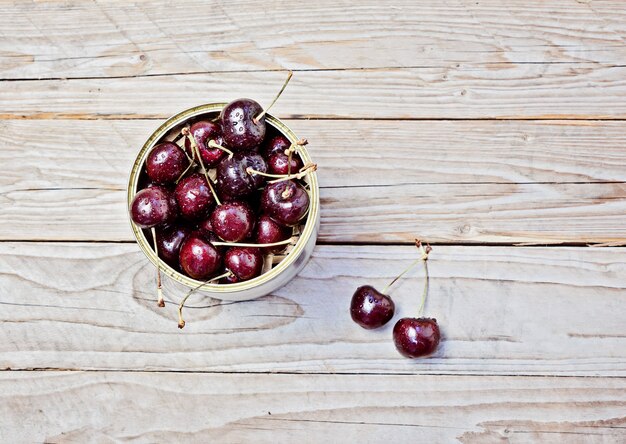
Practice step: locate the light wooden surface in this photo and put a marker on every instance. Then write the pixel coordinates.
(477, 125)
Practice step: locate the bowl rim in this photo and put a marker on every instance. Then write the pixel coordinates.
(144, 245)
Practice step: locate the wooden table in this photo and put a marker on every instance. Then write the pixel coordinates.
(476, 125)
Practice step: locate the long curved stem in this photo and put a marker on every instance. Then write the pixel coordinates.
(425, 291)
(194, 146)
(406, 270)
(214, 144)
(181, 321)
(160, 301)
(305, 170)
(239, 244)
(260, 116)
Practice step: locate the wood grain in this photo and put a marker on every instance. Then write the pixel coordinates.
(149, 407)
(543, 182)
(518, 311)
(105, 39)
(587, 91)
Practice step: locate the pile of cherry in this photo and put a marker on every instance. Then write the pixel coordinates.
(223, 197)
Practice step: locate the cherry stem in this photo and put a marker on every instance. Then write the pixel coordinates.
(423, 258)
(191, 164)
(304, 171)
(425, 291)
(194, 146)
(260, 116)
(160, 301)
(214, 144)
(238, 244)
(181, 321)
(294, 146)
(251, 171)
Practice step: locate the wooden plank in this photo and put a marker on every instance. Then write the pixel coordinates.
(531, 91)
(520, 311)
(92, 39)
(442, 213)
(98, 154)
(381, 182)
(150, 407)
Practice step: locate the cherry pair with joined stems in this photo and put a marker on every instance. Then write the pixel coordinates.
(413, 337)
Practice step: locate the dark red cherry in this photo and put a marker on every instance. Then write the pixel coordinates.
(287, 202)
(245, 262)
(199, 258)
(203, 132)
(233, 179)
(153, 206)
(232, 221)
(169, 242)
(416, 337)
(240, 129)
(206, 227)
(277, 144)
(269, 232)
(278, 163)
(194, 197)
(370, 308)
(166, 162)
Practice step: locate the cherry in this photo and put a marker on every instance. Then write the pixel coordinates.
(416, 337)
(169, 242)
(243, 121)
(153, 206)
(203, 133)
(268, 232)
(241, 128)
(205, 228)
(287, 202)
(279, 163)
(166, 162)
(232, 221)
(233, 178)
(194, 196)
(277, 144)
(245, 262)
(370, 308)
(199, 258)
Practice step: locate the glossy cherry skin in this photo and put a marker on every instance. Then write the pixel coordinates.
(153, 206)
(232, 221)
(239, 128)
(166, 162)
(278, 163)
(194, 197)
(203, 132)
(370, 308)
(233, 179)
(269, 232)
(199, 258)
(287, 202)
(245, 262)
(416, 337)
(169, 242)
(277, 144)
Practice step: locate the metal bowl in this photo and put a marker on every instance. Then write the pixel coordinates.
(268, 282)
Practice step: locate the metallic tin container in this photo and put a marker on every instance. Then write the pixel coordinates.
(178, 284)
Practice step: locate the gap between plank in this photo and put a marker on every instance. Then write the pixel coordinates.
(540, 118)
(455, 64)
(358, 243)
(279, 373)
